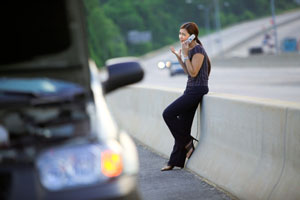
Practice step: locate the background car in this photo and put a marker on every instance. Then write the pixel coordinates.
(57, 137)
(174, 67)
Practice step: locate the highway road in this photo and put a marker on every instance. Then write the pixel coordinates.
(264, 79)
(288, 30)
(271, 83)
(218, 43)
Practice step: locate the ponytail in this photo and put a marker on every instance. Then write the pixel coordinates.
(209, 65)
(198, 41)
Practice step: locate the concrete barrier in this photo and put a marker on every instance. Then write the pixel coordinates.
(288, 187)
(144, 107)
(248, 146)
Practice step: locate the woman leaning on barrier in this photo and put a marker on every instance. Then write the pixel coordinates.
(179, 115)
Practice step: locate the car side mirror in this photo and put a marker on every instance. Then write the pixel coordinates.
(121, 74)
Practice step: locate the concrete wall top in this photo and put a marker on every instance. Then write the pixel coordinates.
(248, 146)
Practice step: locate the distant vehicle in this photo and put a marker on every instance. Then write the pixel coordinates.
(289, 44)
(173, 66)
(255, 50)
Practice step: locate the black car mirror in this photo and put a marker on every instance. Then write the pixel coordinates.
(121, 74)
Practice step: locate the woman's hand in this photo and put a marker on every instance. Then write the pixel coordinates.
(177, 54)
(185, 48)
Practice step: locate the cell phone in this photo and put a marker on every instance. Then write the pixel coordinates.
(190, 39)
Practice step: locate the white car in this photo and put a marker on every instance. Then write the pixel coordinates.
(58, 139)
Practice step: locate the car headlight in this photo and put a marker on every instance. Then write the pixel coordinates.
(168, 64)
(78, 166)
(161, 65)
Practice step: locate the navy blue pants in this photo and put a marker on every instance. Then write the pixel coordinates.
(179, 117)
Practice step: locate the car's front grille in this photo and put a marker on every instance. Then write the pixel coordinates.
(5, 183)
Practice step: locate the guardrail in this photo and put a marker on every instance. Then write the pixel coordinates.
(248, 146)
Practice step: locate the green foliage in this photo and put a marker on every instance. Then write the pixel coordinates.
(104, 38)
(247, 15)
(109, 21)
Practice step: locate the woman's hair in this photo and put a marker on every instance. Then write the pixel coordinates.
(192, 28)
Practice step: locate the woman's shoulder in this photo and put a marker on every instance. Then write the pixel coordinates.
(198, 49)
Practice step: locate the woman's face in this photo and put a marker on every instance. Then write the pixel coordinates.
(183, 35)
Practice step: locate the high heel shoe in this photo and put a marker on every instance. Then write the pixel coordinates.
(190, 147)
(167, 168)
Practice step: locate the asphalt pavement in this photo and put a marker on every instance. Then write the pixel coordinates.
(177, 184)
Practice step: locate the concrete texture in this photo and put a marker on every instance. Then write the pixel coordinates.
(241, 145)
(288, 185)
(144, 107)
(248, 146)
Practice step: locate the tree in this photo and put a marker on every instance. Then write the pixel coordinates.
(109, 21)
(104, 38)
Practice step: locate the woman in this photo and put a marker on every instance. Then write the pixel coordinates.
(179, 115)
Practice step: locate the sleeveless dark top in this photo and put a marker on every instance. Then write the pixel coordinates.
(202, 77)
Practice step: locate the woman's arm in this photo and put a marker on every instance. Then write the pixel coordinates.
(193, 67)
(177, 54)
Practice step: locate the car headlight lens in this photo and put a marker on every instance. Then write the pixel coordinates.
(78, 166)
(161, 65)
(168, 64)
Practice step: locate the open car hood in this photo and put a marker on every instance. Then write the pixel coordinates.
(45, 40)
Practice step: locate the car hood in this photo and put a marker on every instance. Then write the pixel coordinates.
(48, 41)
